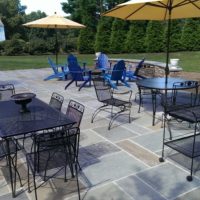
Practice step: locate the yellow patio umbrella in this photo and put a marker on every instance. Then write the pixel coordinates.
(54, 22)
(157, 10)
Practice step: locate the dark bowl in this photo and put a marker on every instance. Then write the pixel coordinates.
(23, 99)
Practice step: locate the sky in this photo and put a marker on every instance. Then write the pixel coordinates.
(47, 6)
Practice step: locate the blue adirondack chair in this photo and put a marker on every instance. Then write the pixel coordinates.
(103, 63)
(117, 74)
(133, 75)
(72, 58)
(59, 71)
(78, 74)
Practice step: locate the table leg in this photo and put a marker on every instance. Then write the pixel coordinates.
(153, 106)
(10, 168)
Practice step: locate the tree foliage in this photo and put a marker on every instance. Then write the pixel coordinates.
(154, 40)
(190, 35)
(136, 37)
(105, 34)
(102, 42)
(118, 36)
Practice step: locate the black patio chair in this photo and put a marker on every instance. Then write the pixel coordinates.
(186, 141)
(104, 95)
(179, 107)
(56, 101)
(144, 93)
(14, 147)
(178, 98)
(74, 112)
(6, 91)
(60, 156)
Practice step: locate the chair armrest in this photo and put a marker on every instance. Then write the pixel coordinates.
(125, 92)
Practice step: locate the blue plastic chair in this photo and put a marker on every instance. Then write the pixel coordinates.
(72, 58)
(133, 75)
(61, 74)
(117, 74)
(103, 63)
(78, 74)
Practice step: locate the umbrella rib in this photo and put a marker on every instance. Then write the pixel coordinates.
(135, 11)
(185, 2)
(146, 4)
(116, 8)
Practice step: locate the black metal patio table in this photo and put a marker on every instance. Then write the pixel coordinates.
(158, 84)
(40, 116)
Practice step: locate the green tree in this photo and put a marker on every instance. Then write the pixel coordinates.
(154, 39)
(11, 13)
(86, 38)
(190, 35)
(136, 37)
(102, 42)
(118, 36)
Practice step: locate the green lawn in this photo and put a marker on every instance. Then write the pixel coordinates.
(189, 61)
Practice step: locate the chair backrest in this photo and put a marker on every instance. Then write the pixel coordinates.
(6, 91)
(75, 112)
(56, 101)
(53, 65)
(76, 71)
(71, 58)
(118, 71)
(182, 96)
(103, 90)
(138, 67)
(102, 61)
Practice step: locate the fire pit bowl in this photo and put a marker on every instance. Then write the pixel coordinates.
(23, 99)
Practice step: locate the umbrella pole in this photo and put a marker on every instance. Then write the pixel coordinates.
(56, 47)
(168, 46)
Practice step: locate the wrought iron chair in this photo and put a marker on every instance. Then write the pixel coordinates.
(59, 71)
(179, 110)
(56, 101)
(75, 112)
(78, 74)
(144, 93)
(6, 91)
(14, 147)
(60, 154)
(104, 95)
(117, 74)
(178, 98)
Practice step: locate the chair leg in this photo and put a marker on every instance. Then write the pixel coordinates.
(96, 112)
(28, 173)
(69, 84)
(82, 85)
(78, 188)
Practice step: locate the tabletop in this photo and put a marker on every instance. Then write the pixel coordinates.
(40, 117)
(159, 83)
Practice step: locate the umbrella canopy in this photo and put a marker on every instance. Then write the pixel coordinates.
(157, 10)
(54, 22)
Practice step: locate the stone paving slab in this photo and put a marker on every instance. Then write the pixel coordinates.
(168, 180)
(115, 134)
(146, 156)
(151, 141)
(109, 168)
(108, 192)
(138, 189)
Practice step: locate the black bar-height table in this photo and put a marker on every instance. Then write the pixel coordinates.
(158, 84)
(15, 123)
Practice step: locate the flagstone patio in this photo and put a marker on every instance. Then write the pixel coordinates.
(120, 164)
